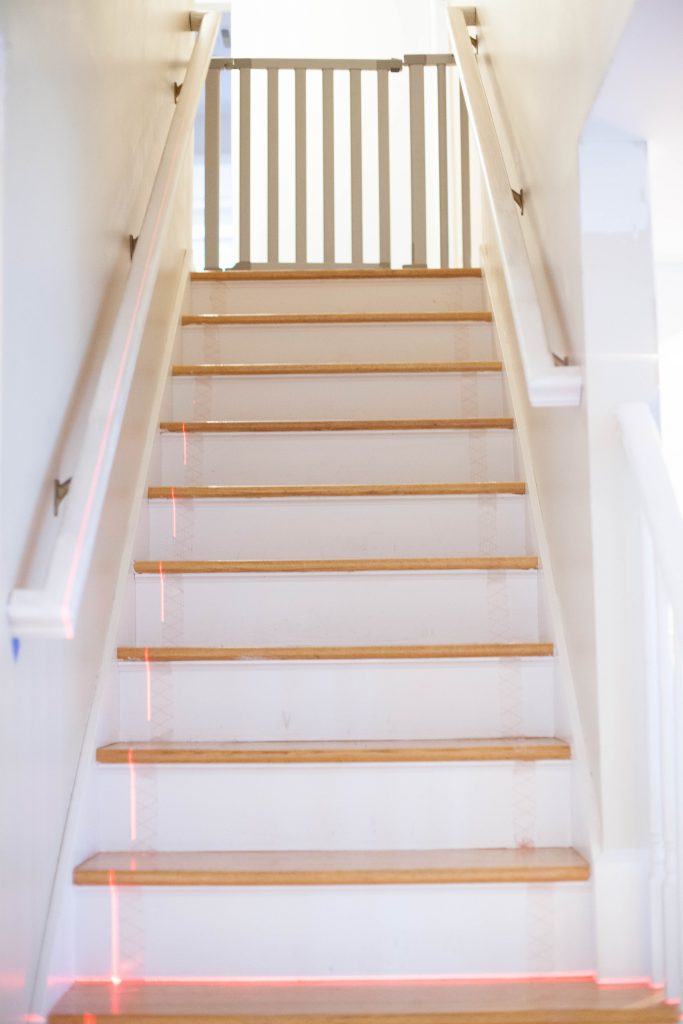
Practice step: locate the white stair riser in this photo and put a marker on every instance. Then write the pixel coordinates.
(337, 700)
(326, 608)
(346, 930)
(359, 396)
(334, 807)
(338, 296)
(349, 457)
(384, 527)
(338, 343)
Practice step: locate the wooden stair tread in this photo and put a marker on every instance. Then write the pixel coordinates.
(334, 867)
(329, 369)
(338, 565)
(352, 1002)
(334, 752)
(265, 319)
(287, 426)
(336, 490)
(376, 653)
(343, 273)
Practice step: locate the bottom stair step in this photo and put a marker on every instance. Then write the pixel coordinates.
(422, 1002)
(324, 867)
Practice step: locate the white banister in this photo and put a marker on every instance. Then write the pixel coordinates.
(52, 610)
(662, 598)
(547, 384)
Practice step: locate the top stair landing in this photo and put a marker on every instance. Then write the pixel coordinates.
(355, 291)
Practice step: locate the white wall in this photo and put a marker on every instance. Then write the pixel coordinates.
(569, 85)
(542, 65)
(89, 98)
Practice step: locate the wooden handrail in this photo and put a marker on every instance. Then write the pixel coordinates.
(53, 609)
(547, 384)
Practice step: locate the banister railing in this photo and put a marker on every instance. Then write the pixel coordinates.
(52, 610)
(547, 383)
(662, 596)
(376, 109)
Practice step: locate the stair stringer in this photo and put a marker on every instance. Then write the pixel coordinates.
(56, 960)
(620, 879)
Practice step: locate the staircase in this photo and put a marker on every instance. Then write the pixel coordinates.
(338, 791)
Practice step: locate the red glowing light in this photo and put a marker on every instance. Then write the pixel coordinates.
(115, 977)
(133, 798)
(315, 981)
(148, 668)
(89, 1018)
(173, 512)
(33, 1018)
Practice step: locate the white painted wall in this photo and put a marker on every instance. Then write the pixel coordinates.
(89, 98)
(575, 91)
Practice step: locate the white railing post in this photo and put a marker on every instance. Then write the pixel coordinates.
(245, 167)
(356, 169)
(273, 167)
(212, 169)
(383, 167)
(418, 197)
(465, 198)
(300, 162)
(443, 164)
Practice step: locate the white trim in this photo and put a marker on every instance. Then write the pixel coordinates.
(506, 332)
(547, 384)
(52, 611)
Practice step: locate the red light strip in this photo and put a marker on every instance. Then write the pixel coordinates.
(162, 608)
(173, 518)
(361, 980)
(115, 977)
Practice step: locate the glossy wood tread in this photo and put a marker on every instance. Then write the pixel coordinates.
(337, 490)
(381, 653)
(264, 319)
(334, 867)
(292, 426)
(401, 1001)
(339, 565)
(342, 273)
(329, 369)
(335, 752)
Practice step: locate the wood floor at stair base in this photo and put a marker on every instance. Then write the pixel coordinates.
(320, 1001)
